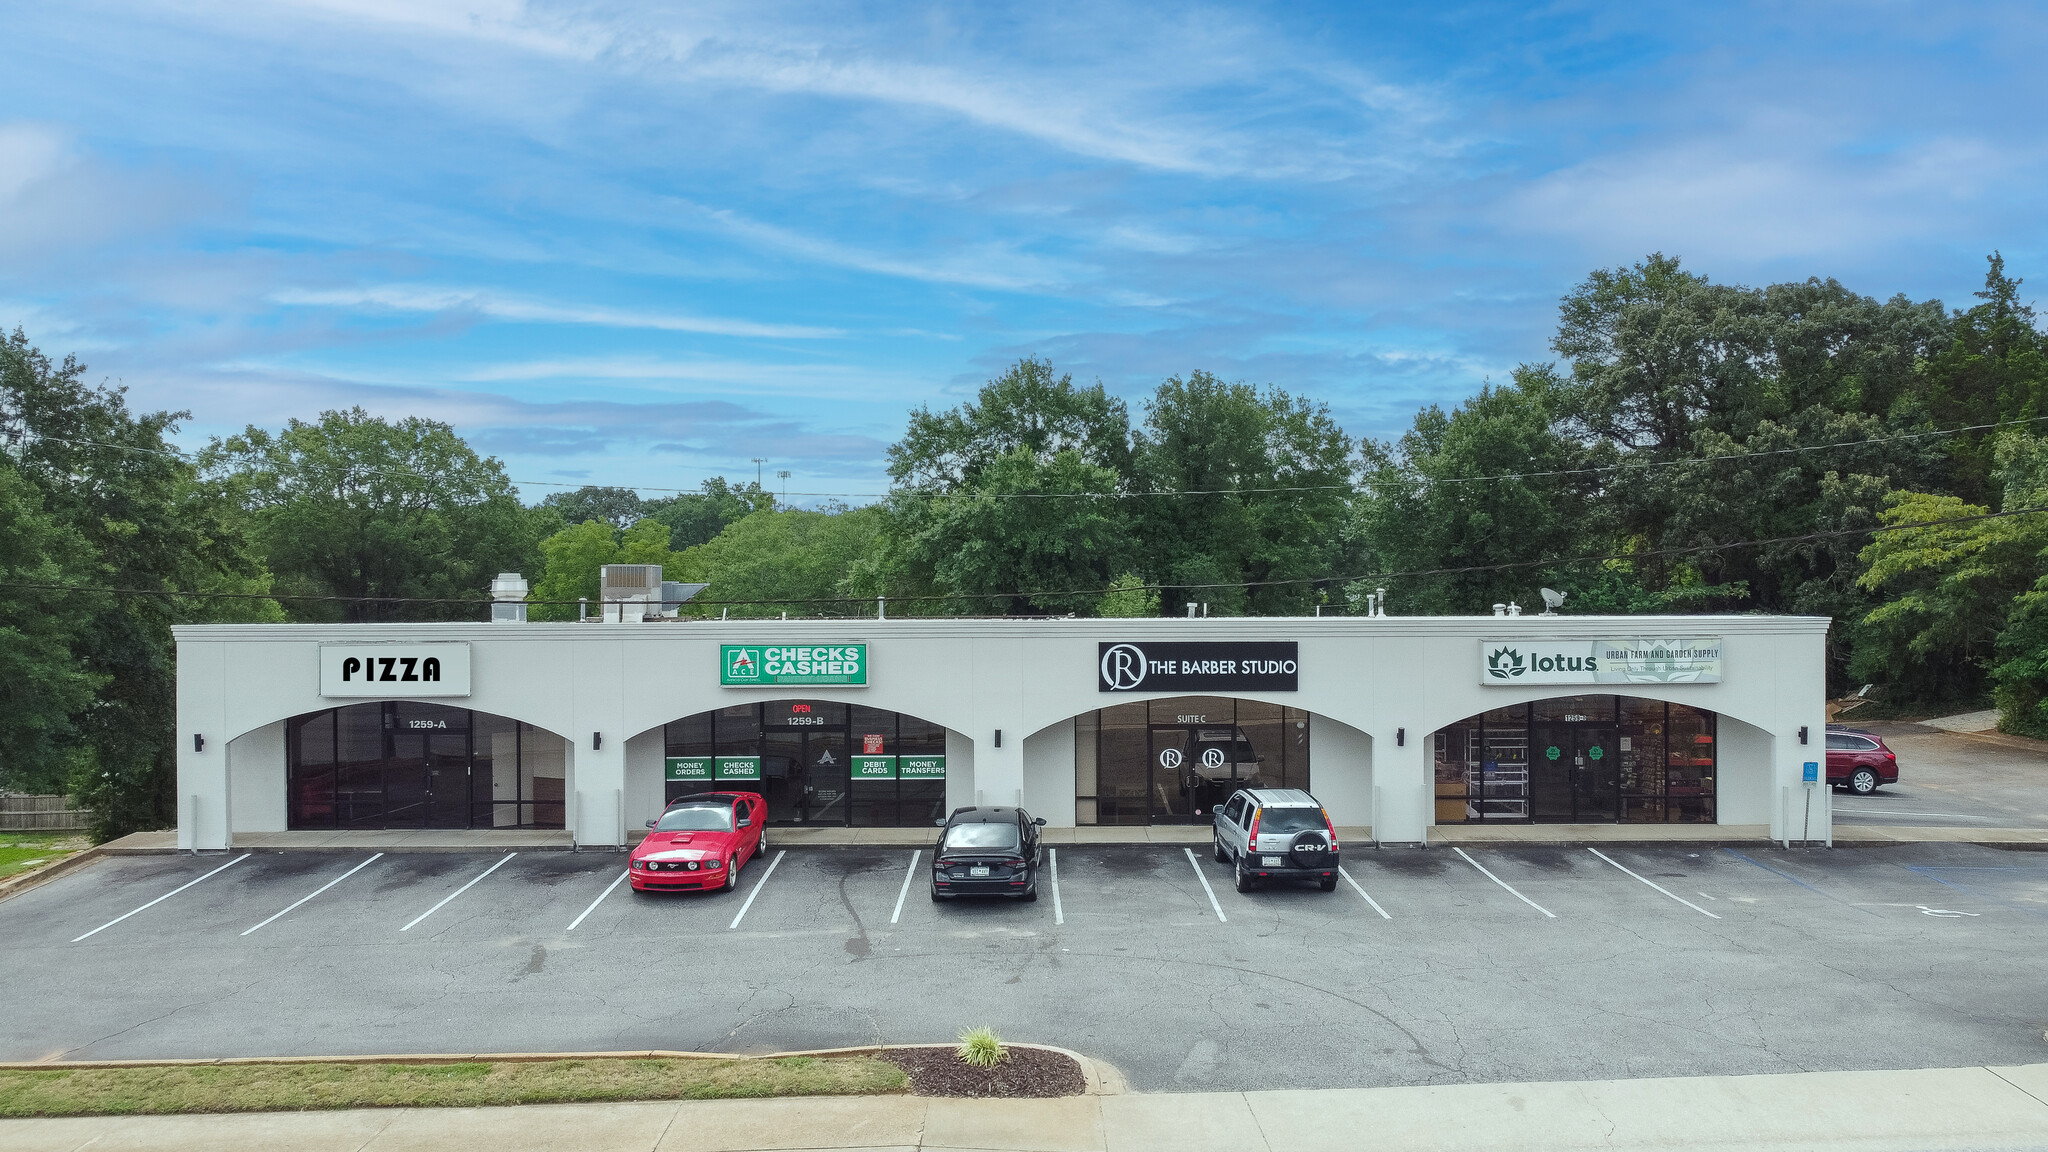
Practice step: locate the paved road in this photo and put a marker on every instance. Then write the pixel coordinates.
(1560, 966)
(1946, 779)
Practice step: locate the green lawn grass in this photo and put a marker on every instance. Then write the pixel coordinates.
(298, 1087)
(21, 851)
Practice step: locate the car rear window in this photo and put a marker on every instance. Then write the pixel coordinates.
(1842, 742)
(981, 836)
(1283, 820)
(696, 818)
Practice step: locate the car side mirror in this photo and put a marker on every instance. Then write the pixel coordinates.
(650, 823)
(1038, 820)
(746, 822)
(938, 823)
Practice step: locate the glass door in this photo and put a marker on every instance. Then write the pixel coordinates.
(1173, 779)
(1550, 772)
(447, 765)
(784, 775)
(1596, 775)
(827, 773)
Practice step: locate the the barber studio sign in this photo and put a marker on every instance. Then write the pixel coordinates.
(1198, 666)
(1662, 660)
(385, 671)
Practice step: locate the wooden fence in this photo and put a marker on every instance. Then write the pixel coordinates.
(41, 814)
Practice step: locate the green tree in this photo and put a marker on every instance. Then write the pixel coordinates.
(361, 508)
(693, 518)
(783, 561)
(1007, 504)
(619, 507)
(42, 689)
(116, 501)
(1275, 471)
(573, 558)
(1128, 597)
(1995, 367)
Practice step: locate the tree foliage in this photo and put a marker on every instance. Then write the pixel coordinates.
(358, 507)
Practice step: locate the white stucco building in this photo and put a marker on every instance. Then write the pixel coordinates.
(1399, 723)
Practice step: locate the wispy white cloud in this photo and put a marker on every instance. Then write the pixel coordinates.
(497, 306)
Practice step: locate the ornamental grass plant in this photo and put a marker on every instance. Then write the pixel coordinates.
(981, 1047)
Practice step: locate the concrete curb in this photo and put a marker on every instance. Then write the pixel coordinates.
(1102, 1078)
(22, 882)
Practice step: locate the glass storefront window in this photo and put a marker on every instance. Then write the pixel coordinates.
(410, 764)
(807, 751)
(1175, 760)
(1587, 758)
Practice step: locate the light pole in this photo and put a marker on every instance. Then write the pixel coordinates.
(783, 475)
(758, 461)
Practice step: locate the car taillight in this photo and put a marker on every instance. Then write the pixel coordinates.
(1252, 840)
(1332, 829)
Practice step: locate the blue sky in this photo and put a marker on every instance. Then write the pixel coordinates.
(642, 244)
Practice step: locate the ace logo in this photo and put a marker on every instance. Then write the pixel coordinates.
(742, 663)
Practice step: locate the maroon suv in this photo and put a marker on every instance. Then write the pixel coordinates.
(1859, 760)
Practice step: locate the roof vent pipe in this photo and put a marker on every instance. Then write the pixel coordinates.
(1191, 609)
(1205, 609)
(508, 598)
(1500, 609)
(1380, 600)
(1514, 609)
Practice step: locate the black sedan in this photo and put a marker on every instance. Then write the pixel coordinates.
(987, 852)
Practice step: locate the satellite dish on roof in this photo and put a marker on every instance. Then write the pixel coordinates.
(1552, 601)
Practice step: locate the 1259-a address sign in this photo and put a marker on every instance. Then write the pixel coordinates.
(774, 665)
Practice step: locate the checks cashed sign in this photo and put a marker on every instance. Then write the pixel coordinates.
(1650, 660)
(777, 665)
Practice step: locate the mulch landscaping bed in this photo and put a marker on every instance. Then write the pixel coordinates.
(1028, 1072)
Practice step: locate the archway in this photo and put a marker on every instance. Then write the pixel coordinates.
(818, 762)
(1579, 759)
(414, 764)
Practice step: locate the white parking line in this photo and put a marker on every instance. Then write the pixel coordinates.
(1362, 892)
(600, 899)
(909, 874)
(757, 889)
(1654, 884)
(317, 891)
(164, 897)
(1504, 884)
(1847, 811)
(457, 892)
(1059, 916)
(1197, 866)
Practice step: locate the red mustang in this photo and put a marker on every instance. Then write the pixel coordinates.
(702, 841)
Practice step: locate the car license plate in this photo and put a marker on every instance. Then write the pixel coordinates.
(983, 871)
(1270, 861)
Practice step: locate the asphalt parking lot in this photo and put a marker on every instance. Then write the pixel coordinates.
(1491, 964)
(1952, 780)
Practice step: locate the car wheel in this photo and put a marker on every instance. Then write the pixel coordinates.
(732, 872)
(936, 898)
(1222, 853)
(1863, 782)
(761, 845)
(1031, 895)
(1245, 881)
(1327, 884)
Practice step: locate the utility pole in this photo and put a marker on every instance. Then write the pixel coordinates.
(783, 475)
(758, 461)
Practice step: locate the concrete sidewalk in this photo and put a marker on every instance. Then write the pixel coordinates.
(1923, 1111)
(1353, 839)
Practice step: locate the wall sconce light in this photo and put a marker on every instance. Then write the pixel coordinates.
(1400, 737)
(198, 742)
(596, 741)
(999, 737)
(1802, 733)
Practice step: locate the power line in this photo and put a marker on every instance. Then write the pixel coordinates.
(1680, 550)
(1141, 495)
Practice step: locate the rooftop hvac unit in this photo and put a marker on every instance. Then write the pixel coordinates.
(629, 591)
(508, 598)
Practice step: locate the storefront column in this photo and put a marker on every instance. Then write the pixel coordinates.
(1404, 787)
(204, 821)
(597, 746)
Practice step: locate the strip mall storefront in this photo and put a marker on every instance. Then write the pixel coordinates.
(1395, 723)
